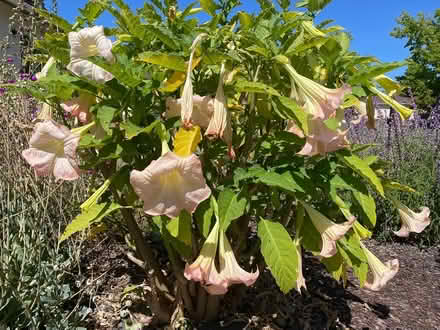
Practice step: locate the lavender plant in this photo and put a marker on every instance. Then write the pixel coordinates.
(411, 149)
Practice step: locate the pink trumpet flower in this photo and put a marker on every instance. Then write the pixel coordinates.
(53, 151)
(203, 109)
(88, 42)
(230, 270)
(412, 222)
(330, 231)
(170, 184)
(380, 273)
(204, 270)
(321, 139)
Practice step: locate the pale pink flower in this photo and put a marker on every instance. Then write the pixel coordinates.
(380, 273)
(330, 231)
(322, 140)
(220, 125)
(170, 184)
(203, 109)
(88, 42)
(293, 128)
(230, 270)
(79, 107)
(53, 151)
(412, 222)
(187, 94)
(319, 101)
(203, 269)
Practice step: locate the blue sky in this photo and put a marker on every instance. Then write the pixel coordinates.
(369, 21)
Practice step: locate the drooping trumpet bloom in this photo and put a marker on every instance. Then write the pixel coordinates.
(187, 95)
(89, 42)
(330, 231)
(230, 270)
(412, 222)
(322, 140)
(79, 107)
(319, 101)
(203, 109)
(220, 124)
(203, 269)
(300, 280)
(380, 273)
(53, 151)
(170, 184)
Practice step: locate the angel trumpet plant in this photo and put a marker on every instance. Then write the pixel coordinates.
(380, 273)
(412, 222)
(330, 231)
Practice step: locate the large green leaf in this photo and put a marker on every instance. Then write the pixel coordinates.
(168, 61)
(295, 112)
(362, 168)
(284, 181)
(104, 117)
(230, 207)
(55, 20)
(132, 130)
(89, 216)
(255, 87)
(279, 253)
(203, 216)
(94, 9)
(209, 6)
(371, 72)
(180, 229)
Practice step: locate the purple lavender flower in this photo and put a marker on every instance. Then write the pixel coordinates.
(34, 78)
(2, 91)
(10, 60)
(12, 81)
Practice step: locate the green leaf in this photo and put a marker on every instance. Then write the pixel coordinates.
(295, 112)
(392, 185)
(230, 207)
(362, 168)
(180, 229)
(94, 9)
(104, 117)
(279, 252)
(203, 216)
(90, 215)
(255, 87)
(368, 205)
(163, 35)
(284, 181)
(334, 265)
(209, 6)
(371, 72)
(245, 20)
(132, 130)
(55, 20)
(168, 61)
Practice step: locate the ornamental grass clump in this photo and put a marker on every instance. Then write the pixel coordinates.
(166, 89)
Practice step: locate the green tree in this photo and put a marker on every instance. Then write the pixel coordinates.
(423, 73)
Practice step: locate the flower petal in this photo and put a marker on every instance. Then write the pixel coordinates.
(89, 70)
(170, 184)
(412, 222)
(330, 231)
(380, 273)
(230, 270)
(203, 109)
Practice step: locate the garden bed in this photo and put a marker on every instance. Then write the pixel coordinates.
(410, 301)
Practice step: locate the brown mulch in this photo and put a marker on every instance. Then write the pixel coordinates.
(410, 301)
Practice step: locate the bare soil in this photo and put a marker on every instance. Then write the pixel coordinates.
(410, 301)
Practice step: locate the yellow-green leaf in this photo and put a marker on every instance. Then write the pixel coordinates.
(279, 252)
(88, 216)
(177, 78)
(245, 20)
(186, 141)
(209, 6)
(168, 61)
